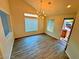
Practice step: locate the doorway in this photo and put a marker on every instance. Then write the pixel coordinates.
(66, 29)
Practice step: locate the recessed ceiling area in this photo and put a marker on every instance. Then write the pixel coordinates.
(55, 7)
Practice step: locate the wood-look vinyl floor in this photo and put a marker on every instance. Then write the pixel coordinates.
(39, 47)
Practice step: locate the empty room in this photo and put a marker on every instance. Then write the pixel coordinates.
(39, 29)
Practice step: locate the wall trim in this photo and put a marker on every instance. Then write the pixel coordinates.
(67, 54)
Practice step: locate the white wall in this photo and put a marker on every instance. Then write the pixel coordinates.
(58, 24)
(6, 43)
(73, 46)
(18, 8)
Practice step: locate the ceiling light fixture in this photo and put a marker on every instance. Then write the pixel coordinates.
(68, 6)
(43, 8)
(41, 12)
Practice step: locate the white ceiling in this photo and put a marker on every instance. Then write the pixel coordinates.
(56, 7)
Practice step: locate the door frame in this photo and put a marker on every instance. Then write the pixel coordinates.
(70, 31)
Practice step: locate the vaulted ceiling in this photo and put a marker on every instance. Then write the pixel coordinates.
(55, 7)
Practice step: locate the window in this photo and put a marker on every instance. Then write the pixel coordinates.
(31, 24)
(50, 25)
(5, 22)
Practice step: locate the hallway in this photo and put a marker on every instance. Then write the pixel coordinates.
(39, 46)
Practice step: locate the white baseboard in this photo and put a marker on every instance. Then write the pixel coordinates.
(68, 55)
